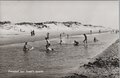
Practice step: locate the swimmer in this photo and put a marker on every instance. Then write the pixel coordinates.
(76, 43)
(48, 48)
(27, 47)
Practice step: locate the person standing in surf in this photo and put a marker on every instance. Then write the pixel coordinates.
(85, 40)
(48, 43)
(99, 31)
(47, 39)
(95, 39)
(33, 33)
(60, 39)
(90, 31)
(27, 47)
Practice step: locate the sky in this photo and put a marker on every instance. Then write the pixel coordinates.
(103, 13)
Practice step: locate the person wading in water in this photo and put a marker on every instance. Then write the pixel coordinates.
(33, 33)
(48, 43)
(27, 47)
(95, 39)
(85, 40)
(60, 39)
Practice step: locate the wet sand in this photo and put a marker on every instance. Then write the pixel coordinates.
(55, 64)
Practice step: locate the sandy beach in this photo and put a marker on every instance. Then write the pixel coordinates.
(59, 39)
(66, 58)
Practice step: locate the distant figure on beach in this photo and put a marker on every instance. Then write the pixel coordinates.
(113, 30)
(32, 33)
(85, 40)
(60, 38)
(48, 46)
(99, 31)
(90, 31)
(95, 39)
(20, 30)
(48, 43)
(47, 39)
(76, 43)
(27, 47)
(116, 31)
(67, 36)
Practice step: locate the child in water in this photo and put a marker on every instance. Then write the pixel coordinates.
(76, 43)
(95, 39)
(27, 47)
(48, 43)
(48, 48)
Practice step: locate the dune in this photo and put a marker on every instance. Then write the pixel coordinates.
(20, 32)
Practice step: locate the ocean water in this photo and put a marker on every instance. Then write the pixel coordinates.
(64, 57)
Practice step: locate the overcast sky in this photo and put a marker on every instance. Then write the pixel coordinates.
(105, 13)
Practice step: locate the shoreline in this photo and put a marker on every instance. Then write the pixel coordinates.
(3, 44)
